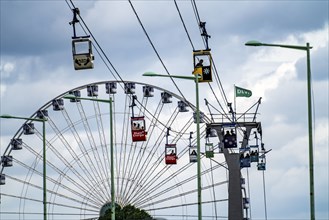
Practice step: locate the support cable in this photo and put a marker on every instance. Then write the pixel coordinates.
(264, 191)
(205, 40)
(155, 50)
(186, 31)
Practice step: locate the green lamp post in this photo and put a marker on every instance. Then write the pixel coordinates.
(110, 101)
(309, 104)
(196, 79)
(43, 120)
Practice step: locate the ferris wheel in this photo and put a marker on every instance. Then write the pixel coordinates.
(153, 135)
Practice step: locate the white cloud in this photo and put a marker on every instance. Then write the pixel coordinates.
(272, 73)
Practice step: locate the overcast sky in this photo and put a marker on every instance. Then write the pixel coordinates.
(36, 66)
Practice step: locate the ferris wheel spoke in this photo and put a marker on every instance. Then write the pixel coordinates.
(156, 146)
(134, 170)
(173, 186)
(99, 168)
(172, 196)
(160, 173)
(95, 176)
(102, 140)
(61, 136)
(142, 162)
(69, 167)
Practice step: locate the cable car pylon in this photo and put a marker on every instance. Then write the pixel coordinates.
(239, 154)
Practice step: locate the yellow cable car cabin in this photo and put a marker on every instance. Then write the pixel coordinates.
(83, 57)
(171, 154)
(202, 61)
(138, 131)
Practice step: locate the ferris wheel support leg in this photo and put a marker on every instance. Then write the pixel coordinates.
(44, 171)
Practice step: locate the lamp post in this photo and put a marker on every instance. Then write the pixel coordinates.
(43, 120)
(111, 146)
(196, 79)
(309, 104)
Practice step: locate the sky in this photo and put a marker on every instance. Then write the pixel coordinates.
(36, 66)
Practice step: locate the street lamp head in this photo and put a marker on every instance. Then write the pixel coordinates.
(150, 74)
(69, 97)
(6, 116)
(253, 43)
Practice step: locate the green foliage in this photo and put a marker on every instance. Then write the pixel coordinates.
(128, 212)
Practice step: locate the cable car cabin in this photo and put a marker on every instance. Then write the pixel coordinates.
(209, 150)
(138, 132)
(83, 57)
(28, 128)
(261, 163)
(7, 161)
(244, 157)
(171, 154)
(229, 139)
(16, 144)
(2, 179)
(193, 154)
(111, 87)
(202, 65)
(253, 153)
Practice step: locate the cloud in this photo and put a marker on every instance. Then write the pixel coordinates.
(36, 66)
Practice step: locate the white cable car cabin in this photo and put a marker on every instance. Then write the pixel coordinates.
(138, 131)
(202, 61)
(262, 163)
(193, 154)
(170, 154)
(83, 57)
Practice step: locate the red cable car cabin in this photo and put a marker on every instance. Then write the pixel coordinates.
(171, 154)
(138, 132)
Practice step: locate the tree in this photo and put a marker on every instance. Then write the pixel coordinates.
(128, 212)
